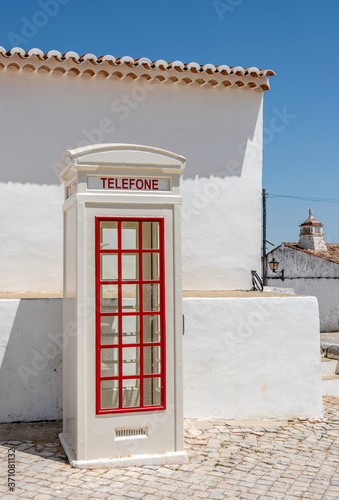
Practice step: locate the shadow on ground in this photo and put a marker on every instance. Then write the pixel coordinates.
(35, 438)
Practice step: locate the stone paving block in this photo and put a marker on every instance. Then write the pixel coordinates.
(332, 494)
(77, 496)
(62, 494)
(28, 495)
(135, 495)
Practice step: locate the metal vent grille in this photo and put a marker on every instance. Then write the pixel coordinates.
(130, 432)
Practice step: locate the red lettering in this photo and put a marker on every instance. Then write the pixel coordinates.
(130, 183)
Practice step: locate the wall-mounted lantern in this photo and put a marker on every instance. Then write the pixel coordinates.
(274, 266)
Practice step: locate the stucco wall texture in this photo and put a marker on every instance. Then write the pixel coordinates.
(243, 358)
(306, 270)
(218, 130)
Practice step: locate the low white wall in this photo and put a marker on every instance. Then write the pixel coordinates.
(327, 293)
(244, 358)
(30, 359)
(252, 358)
(304, 268)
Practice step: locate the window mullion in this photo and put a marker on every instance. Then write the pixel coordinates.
(141, 321)
(120, 313)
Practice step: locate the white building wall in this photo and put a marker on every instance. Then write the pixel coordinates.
(218, 130)
(300, 270)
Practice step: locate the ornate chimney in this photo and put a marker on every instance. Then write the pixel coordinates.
(311, 235)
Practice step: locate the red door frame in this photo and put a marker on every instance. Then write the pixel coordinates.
(98, 282)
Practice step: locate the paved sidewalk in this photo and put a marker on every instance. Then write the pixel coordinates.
(249, 460)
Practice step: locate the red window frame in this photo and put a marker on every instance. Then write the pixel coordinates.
(161, 313)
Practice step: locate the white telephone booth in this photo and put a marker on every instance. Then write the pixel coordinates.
(122, 306)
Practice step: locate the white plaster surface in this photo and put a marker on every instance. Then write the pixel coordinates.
(218, 130)
(30, 359)
(243, 358)
(31, 237)
(303, 268)
(252, 358)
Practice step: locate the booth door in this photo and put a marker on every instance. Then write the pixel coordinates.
(130, 314)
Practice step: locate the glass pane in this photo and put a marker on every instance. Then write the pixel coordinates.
(130, 330)
(130, 392)
(150, 235)
(151, 297)
(151, 328)
(108, 235)
(110, 362)
(109, 298)
(130, 266)
(152, 391)
(152, 360)
(109, 267)
(109, 394)
(131, 361)
(150, 266)
(109, 330)
(130, 297)
(129, 235)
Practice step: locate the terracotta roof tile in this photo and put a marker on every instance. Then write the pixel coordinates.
(53, 60)
(331, 256)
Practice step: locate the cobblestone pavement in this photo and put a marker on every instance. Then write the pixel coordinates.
(249, 460)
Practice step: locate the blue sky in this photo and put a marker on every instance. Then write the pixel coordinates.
(297, 38)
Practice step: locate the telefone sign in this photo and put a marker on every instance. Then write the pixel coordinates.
(127, 183)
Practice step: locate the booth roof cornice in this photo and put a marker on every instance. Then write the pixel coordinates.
(127, 67)
(118, 155)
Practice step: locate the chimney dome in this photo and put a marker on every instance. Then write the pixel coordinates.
(311, 235)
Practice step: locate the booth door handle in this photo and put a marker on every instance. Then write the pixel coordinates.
(183, 324)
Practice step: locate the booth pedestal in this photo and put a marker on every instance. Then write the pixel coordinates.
(170, 458)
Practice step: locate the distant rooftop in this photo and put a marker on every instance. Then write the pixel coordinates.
(331, 256)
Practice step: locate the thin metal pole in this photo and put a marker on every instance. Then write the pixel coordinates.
(264, 264)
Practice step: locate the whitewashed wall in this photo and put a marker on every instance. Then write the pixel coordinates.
(30, 359)
(302, 267)
(259, 360)
(217, 130)
(243, 358)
